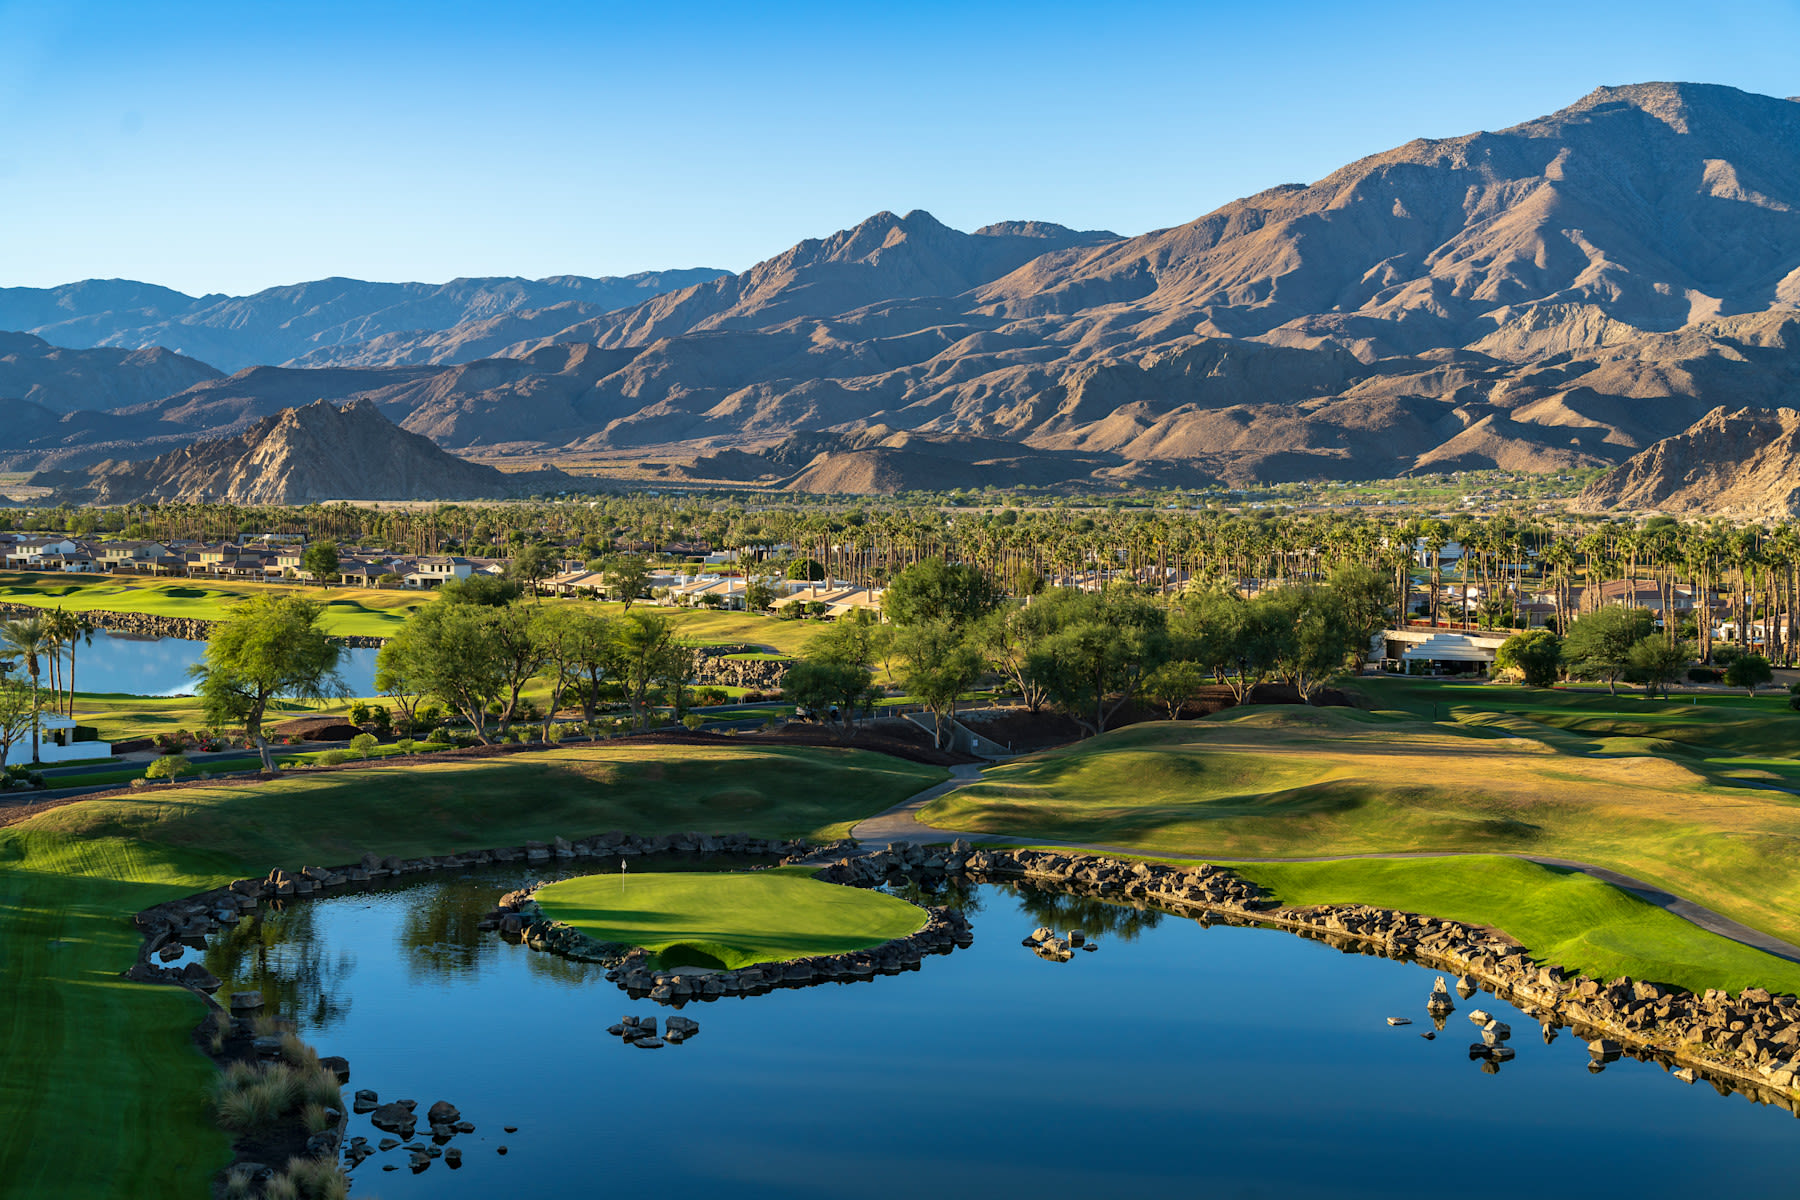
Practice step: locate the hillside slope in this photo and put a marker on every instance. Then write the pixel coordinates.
(298, 456)
(1742, 463)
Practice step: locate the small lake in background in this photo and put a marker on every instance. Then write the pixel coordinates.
(133, 665)
(1176, 1060)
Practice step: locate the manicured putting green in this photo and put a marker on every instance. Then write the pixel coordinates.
(729, 920)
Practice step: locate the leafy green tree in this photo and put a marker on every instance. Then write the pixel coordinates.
(1238, 640)
(807, 570)
(1749, 671)
(169, 766)
(1013, 637)
(626, 577)
(1656, 664)
(19, 708)
(939, 664)
(1096, 663)
(529, 566)
(1174, 683)
(320, 560)
(267, 647)
(646, 654)
(363, 745)
(589, 653)
(395, 679)
(820, 684)
(485, 591)
(1537, 655)
(443, 650)
(1323, 636)
(935, 590)
(1599, 644)
(1366, 600)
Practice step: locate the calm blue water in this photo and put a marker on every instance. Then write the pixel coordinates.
(143, 666)
(1221, 1062)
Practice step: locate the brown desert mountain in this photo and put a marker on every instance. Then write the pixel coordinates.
(1742, 463)
(1564, 292)
(299, 456)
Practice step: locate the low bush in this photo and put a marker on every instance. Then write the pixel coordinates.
(363, 745)
(332, 758)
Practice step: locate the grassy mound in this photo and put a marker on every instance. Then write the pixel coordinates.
(729, 920)
(1645, 798)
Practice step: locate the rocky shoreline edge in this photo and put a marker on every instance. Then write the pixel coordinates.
(1749, 1043)
(192, 629)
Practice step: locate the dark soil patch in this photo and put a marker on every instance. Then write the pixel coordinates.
(316, 729)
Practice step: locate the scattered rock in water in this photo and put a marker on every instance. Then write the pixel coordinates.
(1605, 1049)
(387, 1143)
(1495, 1032)
(1595, 1066)
(1685, 1074)
(364, 1101)
(1549, 1032)
(1465, 986)
(1439, 1002)
(1399, 1020)
(245, 1002)
(453, 1158)
(1090, 947)
(500, 1150)
(337, 1065)
(396, 1118)
(1429, 1036)
(510, 1128)
(465, 1127)
(1481, 1016)
(443, 1113)
(1077, 937)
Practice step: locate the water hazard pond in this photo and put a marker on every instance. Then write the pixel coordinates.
(1214, 1061)
(134, 665)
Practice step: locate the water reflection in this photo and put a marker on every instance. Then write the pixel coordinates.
(1230, 1061)
(1064, 911)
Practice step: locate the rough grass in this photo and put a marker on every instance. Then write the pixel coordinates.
(1563, 916)
(733, 920)
(1299, 783)
(127, 1112)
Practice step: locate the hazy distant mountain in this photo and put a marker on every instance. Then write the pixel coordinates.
(1564, 292)
(299, 456)
(1743, 463)
(316, 318)
(62, 380)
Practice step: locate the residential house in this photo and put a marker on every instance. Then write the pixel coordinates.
(436, 570)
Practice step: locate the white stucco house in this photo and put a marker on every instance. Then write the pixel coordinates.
(56, 743)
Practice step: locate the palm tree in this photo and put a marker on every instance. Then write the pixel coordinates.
(66, 631)
(27, 638)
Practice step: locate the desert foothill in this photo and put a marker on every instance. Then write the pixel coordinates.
(1249, 688)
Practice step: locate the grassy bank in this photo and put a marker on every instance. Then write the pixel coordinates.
(100, 1091)
(1297, 783)
(729, 920)
(1563, 916)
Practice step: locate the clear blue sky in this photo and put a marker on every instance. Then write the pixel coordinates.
(229, 147)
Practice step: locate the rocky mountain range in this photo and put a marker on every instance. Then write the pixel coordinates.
(1742, 463)
(303, 455)
(322, 323)
(1564, 292)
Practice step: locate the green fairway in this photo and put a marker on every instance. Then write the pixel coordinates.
(1562, 916)
(729, 920)
(349, 612)
(1298, 783)
(100, 1088)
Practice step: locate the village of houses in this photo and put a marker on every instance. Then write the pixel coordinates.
(1455, 644)
(706, 577)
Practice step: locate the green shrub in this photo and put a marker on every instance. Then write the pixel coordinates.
(169, 766)
(332, 758)
(363, 745)
(359, 713)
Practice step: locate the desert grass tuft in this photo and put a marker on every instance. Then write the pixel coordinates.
(314, 1179)
(221, 1031)
(246, 1096)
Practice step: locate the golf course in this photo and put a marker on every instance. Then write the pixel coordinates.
(729, 920)
(98, 1077)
